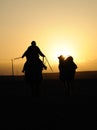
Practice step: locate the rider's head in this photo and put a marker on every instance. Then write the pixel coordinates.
(33, 43)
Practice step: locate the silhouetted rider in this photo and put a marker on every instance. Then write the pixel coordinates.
(32, 54)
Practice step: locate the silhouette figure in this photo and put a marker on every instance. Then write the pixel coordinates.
(67, 69)
(33, 67)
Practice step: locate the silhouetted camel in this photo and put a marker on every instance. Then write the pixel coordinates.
(67, 69)
(33, 74)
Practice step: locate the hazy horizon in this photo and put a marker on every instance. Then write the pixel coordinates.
(6, 67)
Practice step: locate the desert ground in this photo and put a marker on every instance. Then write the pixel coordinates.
(52, 109)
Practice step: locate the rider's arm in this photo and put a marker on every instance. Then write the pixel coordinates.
(40, 53)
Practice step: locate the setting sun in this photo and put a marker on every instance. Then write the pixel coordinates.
(61, 46)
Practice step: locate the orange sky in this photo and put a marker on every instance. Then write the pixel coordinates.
(67, 27)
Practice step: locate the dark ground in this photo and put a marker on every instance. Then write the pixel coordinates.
(52, 110)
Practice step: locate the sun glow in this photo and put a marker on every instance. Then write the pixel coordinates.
(62, 48)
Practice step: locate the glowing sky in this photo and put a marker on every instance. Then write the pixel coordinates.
(67, 27)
